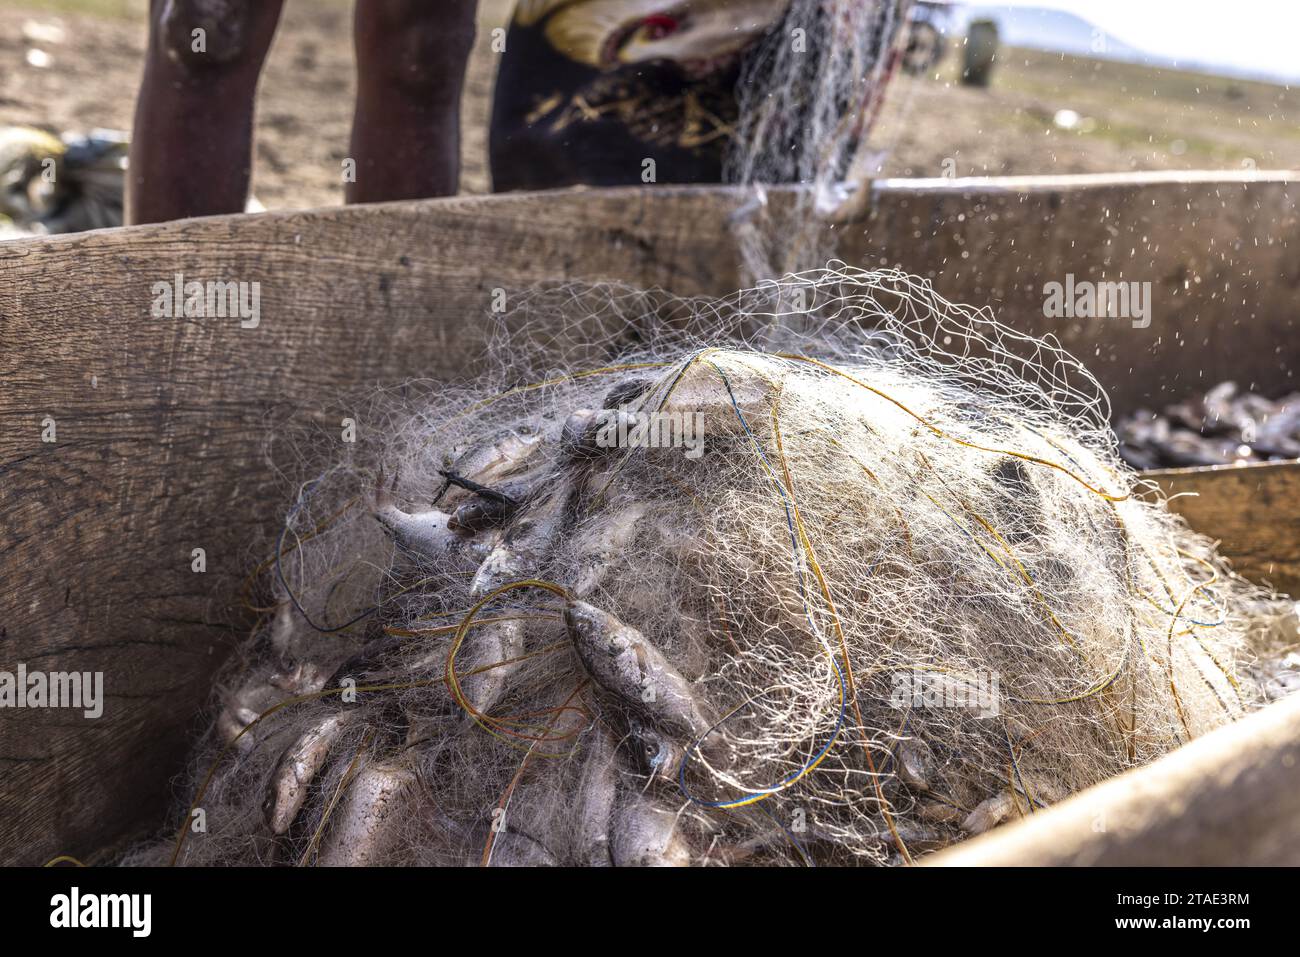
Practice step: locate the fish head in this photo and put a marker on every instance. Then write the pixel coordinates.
(657, 755)
(486, 461)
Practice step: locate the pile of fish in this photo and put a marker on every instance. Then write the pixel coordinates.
(1222, 427)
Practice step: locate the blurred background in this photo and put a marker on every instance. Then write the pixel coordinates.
(1053, 86)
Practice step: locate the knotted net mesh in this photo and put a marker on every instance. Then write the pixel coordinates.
(829, 571)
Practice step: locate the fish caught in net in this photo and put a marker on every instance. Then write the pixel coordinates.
(1225, 426)
(832, 571)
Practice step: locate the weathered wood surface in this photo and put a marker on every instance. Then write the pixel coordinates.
(1220, 252)
(162, 425)
(1252, 510)
(161, 430)
(1229, 798)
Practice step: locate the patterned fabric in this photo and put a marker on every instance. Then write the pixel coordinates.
(588, 90)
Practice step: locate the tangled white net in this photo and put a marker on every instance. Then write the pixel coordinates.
(880, 581)
(807, 99)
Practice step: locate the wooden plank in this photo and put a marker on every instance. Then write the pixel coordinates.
(1231, 798)
(1218, 249)
(1252, 510)
(162, 425)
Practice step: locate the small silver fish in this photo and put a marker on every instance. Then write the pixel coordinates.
(232, 722)
(624, 663)
(590, 434)
(244, 704)
(286, 629)
(988, 813)
(915, 764)
(477, 515)
(427, 535)
(500, 502)
(488, 645)
(297, 768)
(298, 647)
(528, 542)
(367, 824)
(515, 848)
(597, 794)
(597, 546)
(526, 833)
(578, 435)
(503, 454)
(657, 755)
(646, 835)
(520, 555)
(303, 678)
(626, 392)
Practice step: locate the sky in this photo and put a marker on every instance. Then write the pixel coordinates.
(1259, 36)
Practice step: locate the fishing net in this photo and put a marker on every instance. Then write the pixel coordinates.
(830, 571)
(807, 98)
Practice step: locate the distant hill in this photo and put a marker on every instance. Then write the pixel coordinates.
(1058, 31)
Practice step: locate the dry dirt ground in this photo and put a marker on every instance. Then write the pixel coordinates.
(1129, 117)
(304, 105)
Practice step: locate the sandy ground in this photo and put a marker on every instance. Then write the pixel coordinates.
(304, 105)
(1129, 117)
